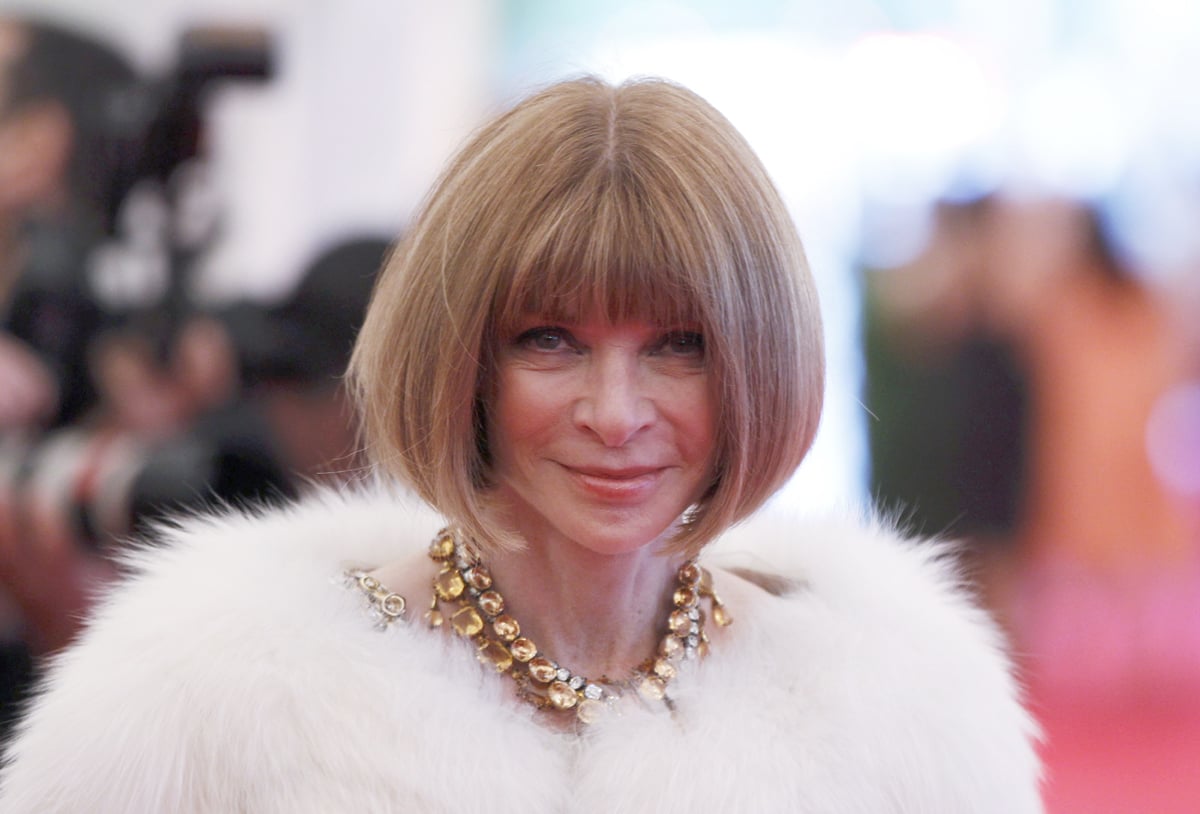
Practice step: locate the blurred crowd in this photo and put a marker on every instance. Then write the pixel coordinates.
(123, 396)
(1031, 391)
(1037, 394)
(1023, 373)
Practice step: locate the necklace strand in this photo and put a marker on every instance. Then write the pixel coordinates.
(465, 596)
(476, 611)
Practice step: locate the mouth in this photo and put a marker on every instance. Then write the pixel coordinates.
(623, 473)
(624, 483)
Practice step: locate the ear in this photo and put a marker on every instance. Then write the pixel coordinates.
(35, 148)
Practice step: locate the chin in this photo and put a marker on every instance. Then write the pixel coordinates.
(615, 537)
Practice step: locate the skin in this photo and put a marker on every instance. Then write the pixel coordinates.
(601, 436)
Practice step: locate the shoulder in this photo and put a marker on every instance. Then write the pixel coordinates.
(880, 655)
(368, 524)
(209, 642)
(867, 572)
(259, 579)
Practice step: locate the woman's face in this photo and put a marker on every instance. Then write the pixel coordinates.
(601, 434)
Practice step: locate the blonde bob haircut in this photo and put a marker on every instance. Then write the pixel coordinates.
(635, 201)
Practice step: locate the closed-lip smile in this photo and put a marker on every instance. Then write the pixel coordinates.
(622, 473)
(621, 485)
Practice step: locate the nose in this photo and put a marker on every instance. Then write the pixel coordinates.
(614, 404)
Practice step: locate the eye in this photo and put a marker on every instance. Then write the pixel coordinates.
(543, 338)
(689, 344)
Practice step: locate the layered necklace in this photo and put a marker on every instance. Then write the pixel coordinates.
(466, 598)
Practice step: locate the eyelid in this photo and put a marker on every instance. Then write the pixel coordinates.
(695, 338)
(529, 334)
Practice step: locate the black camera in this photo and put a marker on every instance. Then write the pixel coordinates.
(124, 269)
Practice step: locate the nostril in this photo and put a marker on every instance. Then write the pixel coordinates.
(615, 416)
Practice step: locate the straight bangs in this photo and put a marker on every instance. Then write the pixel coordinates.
(600, 249)
(589, 202)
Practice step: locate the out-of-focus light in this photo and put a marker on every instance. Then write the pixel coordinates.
(1154, 215)
(895, 236)
(916, 104)
(1173, 439)
(1072, 134)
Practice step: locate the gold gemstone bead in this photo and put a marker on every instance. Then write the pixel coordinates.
(652, 688)
(686, 598)
(589, 711)
(491, 603)
(541, 681)
(508, 629)
(493, 653)
(561, 696)
(542, 669)
(448, 584)
(467, 621)
(679, 622)
(522, 649)
(721, 616)
(479, 578)
(442, 547)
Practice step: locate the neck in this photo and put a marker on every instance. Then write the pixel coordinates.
(599, 614)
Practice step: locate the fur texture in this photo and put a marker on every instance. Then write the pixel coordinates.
(234, 673)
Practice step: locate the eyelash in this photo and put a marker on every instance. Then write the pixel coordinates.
(677, 342)
(689, 342)
(528, 338)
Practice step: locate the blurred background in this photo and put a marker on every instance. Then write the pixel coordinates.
(1001, 203)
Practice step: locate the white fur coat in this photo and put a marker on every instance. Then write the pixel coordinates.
(235, 673)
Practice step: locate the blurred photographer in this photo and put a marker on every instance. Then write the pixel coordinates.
(292, 355)
(60, 184)
(58, 190)
(110, 377)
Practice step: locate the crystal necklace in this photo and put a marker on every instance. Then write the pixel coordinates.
(465, 596)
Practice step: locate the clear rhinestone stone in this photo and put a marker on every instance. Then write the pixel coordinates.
(593, 692)
(563, 674)
(575, 682)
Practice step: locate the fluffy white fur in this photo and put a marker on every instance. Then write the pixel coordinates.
(234, 673)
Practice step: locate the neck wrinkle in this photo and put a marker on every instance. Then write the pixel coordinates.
(596, 614)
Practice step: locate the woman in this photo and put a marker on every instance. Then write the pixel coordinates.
(596, 350)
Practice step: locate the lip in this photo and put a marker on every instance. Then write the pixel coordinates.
(617, 484)
(615, 473)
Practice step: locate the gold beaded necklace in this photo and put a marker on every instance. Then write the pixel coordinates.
(475, 610)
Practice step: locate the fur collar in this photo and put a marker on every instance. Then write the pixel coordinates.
(233, 672)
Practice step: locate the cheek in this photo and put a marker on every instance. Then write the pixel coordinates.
(704, 435)
(520, 413)
(695, 420)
